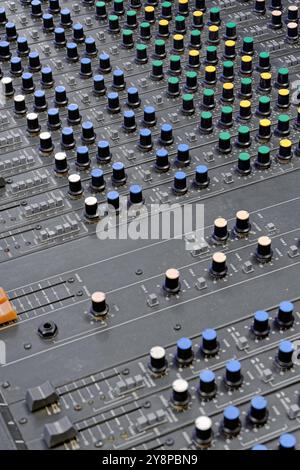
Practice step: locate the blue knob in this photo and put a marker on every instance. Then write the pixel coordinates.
(201, 177)
(47, 77)
(88, 135)
(260, 326)
(207, 384)
(65, 18)
(184, 354)
(16, 67)
(133, 100)
(90, 47)
(11, 31)
(54, 6)
(258, 413)
(78, 33)
(145, 142)
(97, 182)
(183, 155)
(48, 23)
(233, 376)
(3, 18)
(149, 116)
(166, 134)
(67, 138)
(36, 9)
(285, 354)
(22, 46)
(99, 85)
(210, 344)
(136, 194)
(59, 37)
(40, 103)
(34, 61)
(104, 63)
(113, 104)
(231, 421)
(74, 116)
(118, 80)
(72, 52)
(162, 160)
(60, 96)
(118, 174)
(54, 122)
(129, 124)
(103, 155)
(4, 51)
(27, 82)
(285, 317)
(86, 67)
(287, 442)
(180, 185)
(82, 157)
(259, 447)
(113, 200)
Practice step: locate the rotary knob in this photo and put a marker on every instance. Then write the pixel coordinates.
(184, 354)
(203, 431)
(264, 251)
(258, 413)
(233, 375)
(231, 425)
(285, 353)
(285, 317)
(99, 307)
(218, 267)
(172, 284)
(180, 393)
(207, 384)
(158, 362)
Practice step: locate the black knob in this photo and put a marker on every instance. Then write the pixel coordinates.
(67, 138)
(34, 61)
(260, 7)
(264, 251)
(11, 31)
(40, 103)
(158, 362)
(207, 384)
(285, 317)
(7, 86)
(243, 138)
(201, 179)
(22, 47)
(101, 10)
(141, 56)
(180, 183)
(218, 267)
(118, 80)
(99, 306)
(183, 155)
(74, 116)
(258, 413)
(3, 17)
(97, 180)
(244, 164)
(20, 105)
(82, 157)
(242, 223)
(99, 87)
(276, 19)
(46, 144)
(233, 375)
(33, 126)
(285, 353)
(113, 104)
(48, 23)
(231, 425)
(118, 174)
(145, 140)
(104, 63)
(129, 124)
(75, 187)
(86, 68)
(166, 134)
(60, 163)
(59, 37)
(263, 159)
(172, 283)
(220, 233)
(47, 77)
(27, 83)
(103, 154)
(113, 201)
(260, 325)
(16, 68)
(113, 24)
(180, 392)
(133, 99)
(60, 96)
(91, 208)
(203, 431)
(206, 122)
(136, 194)
(54, 121)
(65, 18)
(88, 135)
(226, 117)
(149, 116)
(162, 160)
(54, 6)
(78, 33)
(184, 353)
(209, 345)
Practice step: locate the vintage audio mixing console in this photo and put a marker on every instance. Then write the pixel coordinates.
(140, 342)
